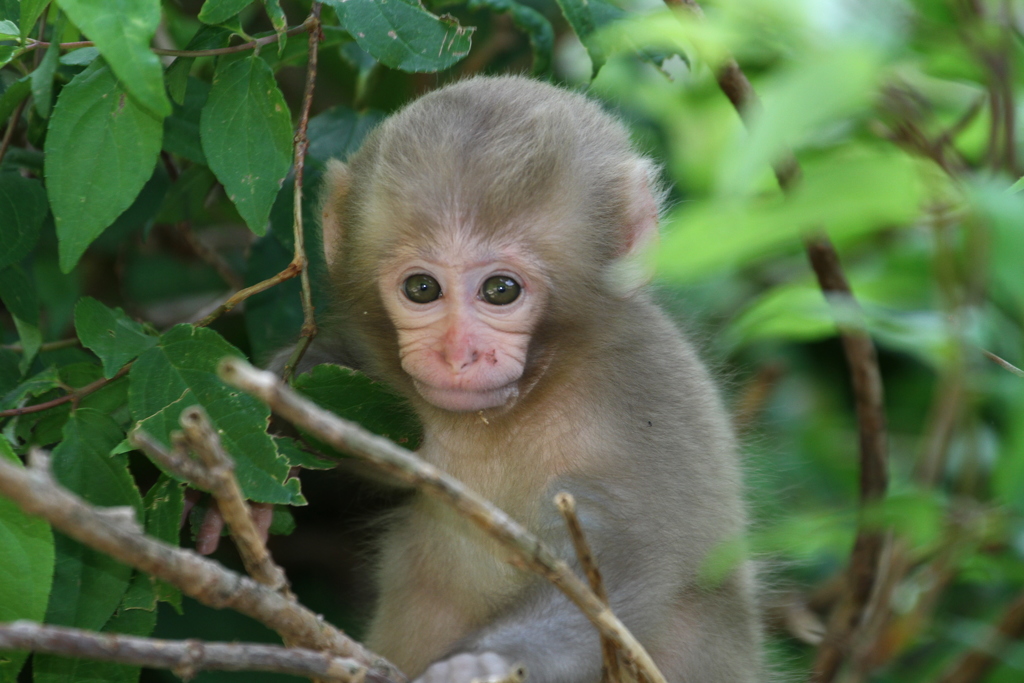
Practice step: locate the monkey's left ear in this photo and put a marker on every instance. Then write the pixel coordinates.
(633, 266)
(335, 186)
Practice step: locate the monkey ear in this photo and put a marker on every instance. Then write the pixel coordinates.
(334, 190)
(633, 266)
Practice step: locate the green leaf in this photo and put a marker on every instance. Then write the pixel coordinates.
(83, 56)
(300, 457)
(30, 13)
(581, 18)
(279, 21)
(206, 38)
(181, 128)
(22, 210)
(403, 35)
(797, 312)
(219, 11)
(26, 571)
(14, 95)
(88, 584)
(34, 386)
(110, 334)
(182, 371)
(164, 503)
(42, 80)
(122, 31)
(1001, 210)
(796, 104)
(100, 151)
(9, 30)
(247, 137)
(356, 397)
(18, 295)
(7, 53)
(126, 620)
(850, 193)
(338, 132)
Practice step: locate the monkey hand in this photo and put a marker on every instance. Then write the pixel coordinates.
(486, 667)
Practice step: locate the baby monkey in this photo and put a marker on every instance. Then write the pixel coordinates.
(479, 246)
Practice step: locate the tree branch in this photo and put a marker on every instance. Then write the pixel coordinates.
(300, 259)
(251, 45)
(185, 658)
(36, 492)
(75, 395)
(407, 467)
(566, 504)
(866, 379)
(216, 474)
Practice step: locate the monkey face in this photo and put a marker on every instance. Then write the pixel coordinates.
(464, 315)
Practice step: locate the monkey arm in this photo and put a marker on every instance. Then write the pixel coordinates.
(696, 632)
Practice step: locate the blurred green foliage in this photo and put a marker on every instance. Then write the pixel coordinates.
(902, 114)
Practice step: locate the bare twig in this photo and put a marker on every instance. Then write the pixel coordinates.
(37, 493)
(1003, 363)
(48, 346)
(12, 123)
(973, 666)
(75, 395)
(220, 468)
(243, 47)
(238, 297)
(300, 259)
(407, 467)
(177, 459)
(185, 658)
(867, 389)
(566, 504)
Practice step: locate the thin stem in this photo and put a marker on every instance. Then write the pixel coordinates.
(75, 395)
(185, 658)
(250, 45)
(238, 297)
(116, 532)
(48, 346)
(1003, 363)
(300, 260)
(12, 123)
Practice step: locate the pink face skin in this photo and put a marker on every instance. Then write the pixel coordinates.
(463, 352)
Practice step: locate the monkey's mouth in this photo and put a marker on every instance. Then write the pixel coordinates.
(467, 400)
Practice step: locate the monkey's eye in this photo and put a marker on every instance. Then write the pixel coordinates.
(500, 290)
(422, 289)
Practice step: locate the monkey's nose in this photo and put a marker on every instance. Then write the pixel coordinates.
(459, 359)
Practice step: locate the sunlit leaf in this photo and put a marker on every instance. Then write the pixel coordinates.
(181, 371)
(100, 151)
(110, 334)
(848, 194)
(88, 584)
(356, 397)
(247, 137)
(403, 35)
(26, 571)
(219, 11)
(122, 32)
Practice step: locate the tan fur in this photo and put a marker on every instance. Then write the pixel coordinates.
(611, 403)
